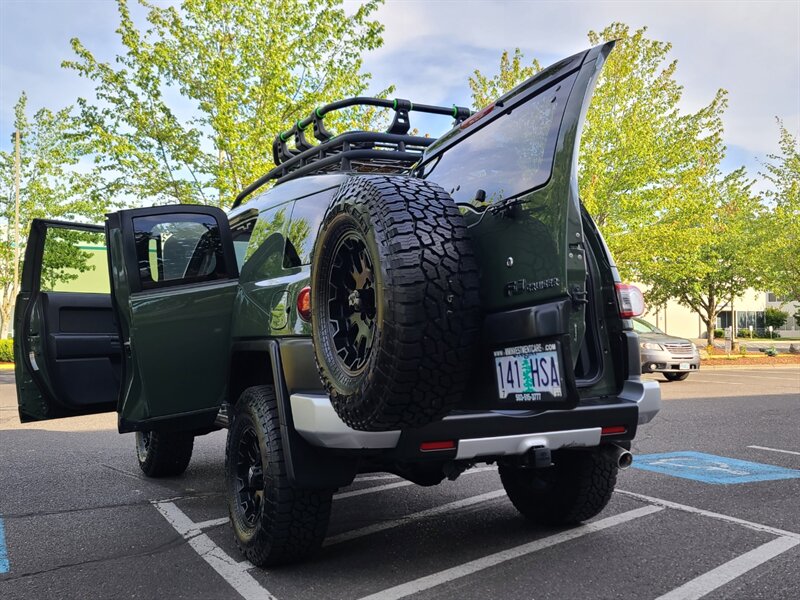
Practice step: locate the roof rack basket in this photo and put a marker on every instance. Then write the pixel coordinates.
(391, 151)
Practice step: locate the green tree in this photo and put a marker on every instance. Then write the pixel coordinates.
(775, 317)
(55, 183)
(188, 111)
(486, 90)
(719, 264)
(782, 253)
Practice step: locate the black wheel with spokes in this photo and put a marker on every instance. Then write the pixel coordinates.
(395, 317)
(249, 476)
(163, 453)
(351, 302)
(274, 522)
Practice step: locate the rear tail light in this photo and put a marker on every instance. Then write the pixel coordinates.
(304, 304)
(631, 300)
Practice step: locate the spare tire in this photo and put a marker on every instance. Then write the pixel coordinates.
(395, 306)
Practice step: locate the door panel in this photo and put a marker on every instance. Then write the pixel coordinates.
(174, 278)
(67, 348)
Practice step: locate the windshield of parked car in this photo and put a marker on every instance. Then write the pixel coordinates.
(640, 326)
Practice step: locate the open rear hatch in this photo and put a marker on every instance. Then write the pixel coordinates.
(512, 167)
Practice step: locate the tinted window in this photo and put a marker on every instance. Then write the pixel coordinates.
(510, 155)
(264, 256)
(307, 215)
(241, 233)
(178, 248)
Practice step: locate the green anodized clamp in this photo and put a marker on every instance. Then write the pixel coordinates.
(283, 139)
(455, 111)
(394, 104)
(299, 127)
(317, 112)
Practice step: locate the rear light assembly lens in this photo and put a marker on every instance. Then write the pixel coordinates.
(631, 300)
(614, 430)
(432, 446)
(304, 304)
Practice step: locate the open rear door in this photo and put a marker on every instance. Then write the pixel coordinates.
(512, 168)
(66, 347)
(174, 278)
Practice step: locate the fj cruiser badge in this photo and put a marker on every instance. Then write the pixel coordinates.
(515, 288)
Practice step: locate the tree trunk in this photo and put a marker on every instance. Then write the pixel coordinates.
(711, 325)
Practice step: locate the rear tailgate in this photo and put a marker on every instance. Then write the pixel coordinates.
(513, 169)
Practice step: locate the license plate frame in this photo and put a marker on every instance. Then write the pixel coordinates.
(684, 366)
(544, 395)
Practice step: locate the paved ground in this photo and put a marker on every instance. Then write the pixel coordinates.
(80, 522)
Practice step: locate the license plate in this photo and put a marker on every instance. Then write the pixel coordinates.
(683, 366)
(528, 373)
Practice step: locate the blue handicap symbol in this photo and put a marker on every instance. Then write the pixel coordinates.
(710, 468)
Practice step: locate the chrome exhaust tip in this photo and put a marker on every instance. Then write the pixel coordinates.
(618, 455)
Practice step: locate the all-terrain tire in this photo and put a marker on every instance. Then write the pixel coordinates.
(575, 489)
(675, 376)
(403, 355)
(273, 521)
(163, 454)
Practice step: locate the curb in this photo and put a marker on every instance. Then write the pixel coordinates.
(724, 367)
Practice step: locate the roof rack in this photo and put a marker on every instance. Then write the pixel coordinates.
(391, 151)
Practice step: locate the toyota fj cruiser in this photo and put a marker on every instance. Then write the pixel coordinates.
(391, 303)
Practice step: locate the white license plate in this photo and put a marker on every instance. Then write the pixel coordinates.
(528, 372)
(683, 366)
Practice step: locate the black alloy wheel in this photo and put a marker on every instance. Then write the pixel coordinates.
(249, 477)
(351, 302)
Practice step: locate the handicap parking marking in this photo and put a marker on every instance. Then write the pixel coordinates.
(710, 468)
(4, 566)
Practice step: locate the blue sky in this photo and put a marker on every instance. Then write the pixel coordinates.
(752, 49)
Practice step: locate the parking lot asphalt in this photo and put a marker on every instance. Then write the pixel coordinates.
(77, 520)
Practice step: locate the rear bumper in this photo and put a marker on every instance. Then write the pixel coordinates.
(477, 434)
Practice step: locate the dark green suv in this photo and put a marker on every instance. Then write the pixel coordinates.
(391, 303)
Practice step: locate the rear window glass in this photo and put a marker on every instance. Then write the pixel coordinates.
(178, 248)
(510, 155)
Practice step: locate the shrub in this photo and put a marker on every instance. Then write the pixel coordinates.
(719, 333)
(775, 317)
(742, 349)
(6, 350)
(771, 351)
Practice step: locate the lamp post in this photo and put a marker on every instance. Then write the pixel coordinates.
(16, 139)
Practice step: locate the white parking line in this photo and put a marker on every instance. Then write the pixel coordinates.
(762, 377)
(371, 490)
(775, 450)
(398, 484)
(425, 583)
(715, 578)
(375, 477)
(234, 573)
(423, 514)
(713, 515)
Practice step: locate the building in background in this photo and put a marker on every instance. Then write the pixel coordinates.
(678, 320)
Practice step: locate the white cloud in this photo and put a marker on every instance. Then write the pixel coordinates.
(751, 49)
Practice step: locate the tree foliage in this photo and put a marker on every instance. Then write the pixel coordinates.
(775, 317)
(512, 72)
(188, 112)
(722, 260)
(55, 183)
(782, 254)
